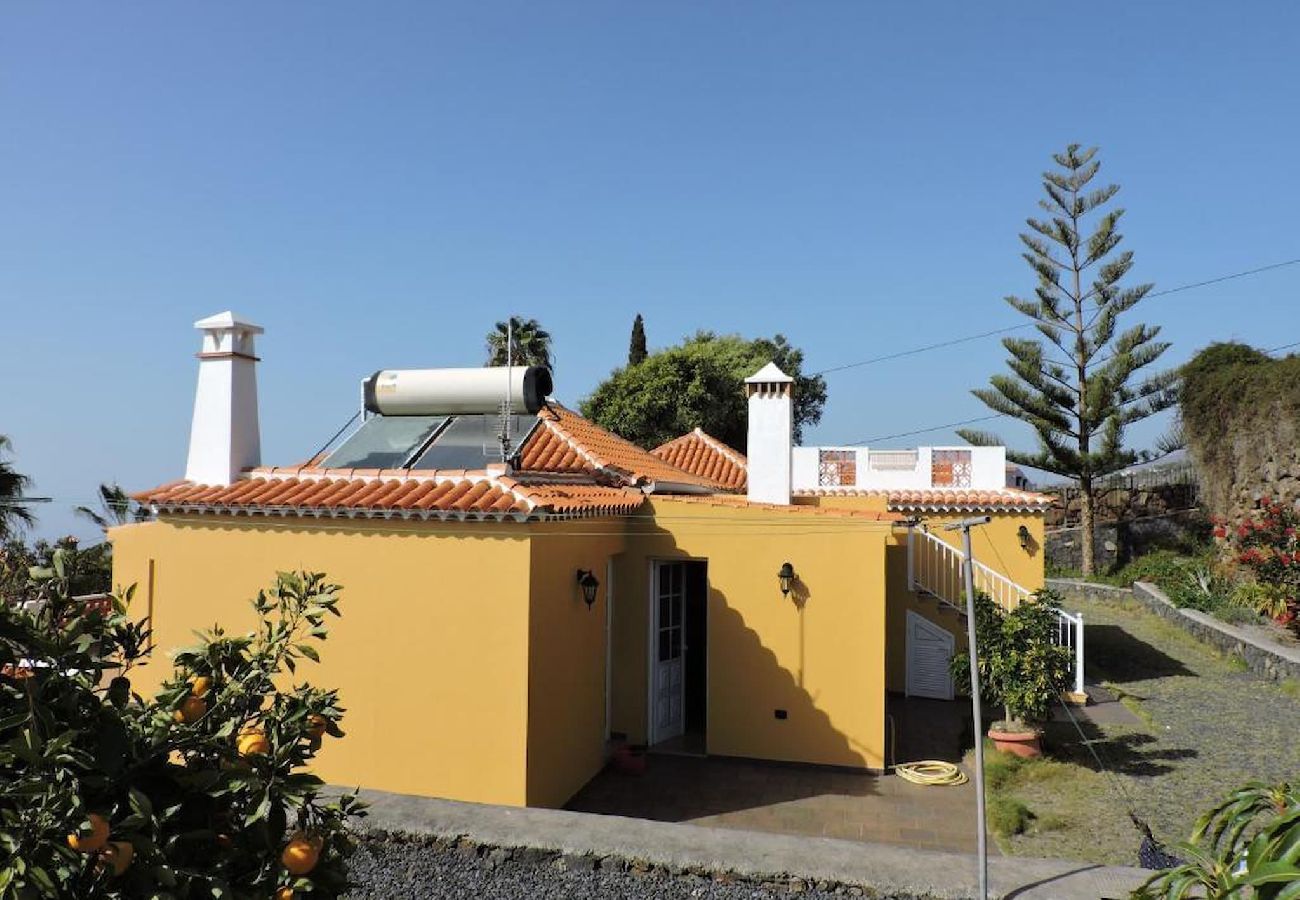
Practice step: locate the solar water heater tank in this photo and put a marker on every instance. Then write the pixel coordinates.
(446, 392)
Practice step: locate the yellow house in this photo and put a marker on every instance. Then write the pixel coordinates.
(520, 585)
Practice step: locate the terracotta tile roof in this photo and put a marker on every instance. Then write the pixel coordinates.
(566, 442)
(942, 499)
(735, 501)
(391, 496)
(705, 456)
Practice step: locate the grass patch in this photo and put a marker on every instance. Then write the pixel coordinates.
(1235, 663)
(1288, 686)
(1007, 816)
(1006, 775)
(1133, 703)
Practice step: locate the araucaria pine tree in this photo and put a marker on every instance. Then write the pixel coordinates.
(636, 349)
(1081, 389)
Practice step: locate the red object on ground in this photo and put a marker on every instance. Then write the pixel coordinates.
(629, 761)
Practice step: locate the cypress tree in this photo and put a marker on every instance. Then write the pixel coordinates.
(1079, 391)
(636, 350)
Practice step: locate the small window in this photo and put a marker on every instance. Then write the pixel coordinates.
(837, 468)
(950, 468)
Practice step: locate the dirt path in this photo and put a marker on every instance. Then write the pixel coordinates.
(1202, 726)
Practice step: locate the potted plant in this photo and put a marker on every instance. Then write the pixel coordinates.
(1021, 668)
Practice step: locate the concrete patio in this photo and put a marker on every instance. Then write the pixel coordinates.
(809, 800)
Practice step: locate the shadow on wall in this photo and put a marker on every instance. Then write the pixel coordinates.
(756, 708)
(1117, 656)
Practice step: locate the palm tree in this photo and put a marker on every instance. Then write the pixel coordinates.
(532, 344)
(115, 508)
(12, 486)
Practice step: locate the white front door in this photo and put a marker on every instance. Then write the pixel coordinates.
(669, 649)
(929, 650)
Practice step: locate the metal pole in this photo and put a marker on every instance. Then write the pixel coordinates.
(968, 574)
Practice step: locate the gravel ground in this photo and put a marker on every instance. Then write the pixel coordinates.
(413, 869)
(1207, 727)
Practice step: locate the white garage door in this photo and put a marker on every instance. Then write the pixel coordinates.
(929, 649)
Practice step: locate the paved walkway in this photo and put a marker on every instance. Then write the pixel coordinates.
(804, 800)
(809, 800)
(878, 869)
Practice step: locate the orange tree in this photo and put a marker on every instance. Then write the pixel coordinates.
(202, 791)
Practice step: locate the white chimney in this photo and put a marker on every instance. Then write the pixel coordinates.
(224, 437)
(771, 434)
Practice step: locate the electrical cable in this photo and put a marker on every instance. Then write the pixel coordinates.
(992, 416)
(996, 331)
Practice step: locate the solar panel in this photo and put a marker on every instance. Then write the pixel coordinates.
(472, 442)
(384, 442)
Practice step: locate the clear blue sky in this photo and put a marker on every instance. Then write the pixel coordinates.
(377, 183)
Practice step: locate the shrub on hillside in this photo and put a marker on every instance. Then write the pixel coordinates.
(1267, 546)
(201, 791)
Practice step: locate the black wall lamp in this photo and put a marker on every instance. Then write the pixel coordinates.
(587, 581)
(1023, 533)
(786, 576)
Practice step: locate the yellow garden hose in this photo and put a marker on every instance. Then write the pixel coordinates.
(930, 772)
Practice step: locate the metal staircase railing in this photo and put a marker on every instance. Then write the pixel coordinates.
(934, 568)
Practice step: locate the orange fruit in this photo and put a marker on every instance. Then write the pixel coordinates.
(316, 726)
(191, 710)
(301, 854)
(200, 686)
(118, 854)
(284, 893)
(96, 839)
(252, 742)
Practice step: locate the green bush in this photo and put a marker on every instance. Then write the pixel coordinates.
(199, 792)
(1246, 846)
(1201, 587)
(1236, 615)
(1021, 667)
(1164, 568)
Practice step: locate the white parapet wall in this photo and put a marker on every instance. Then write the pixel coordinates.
(919, 468)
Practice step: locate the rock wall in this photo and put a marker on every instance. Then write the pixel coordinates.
(1122, 502)
(1261, 459)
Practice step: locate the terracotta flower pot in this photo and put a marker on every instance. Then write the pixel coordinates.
(1020, 743)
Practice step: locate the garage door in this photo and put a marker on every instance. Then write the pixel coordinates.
(929, 650)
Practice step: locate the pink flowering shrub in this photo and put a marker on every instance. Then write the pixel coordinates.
(1266, 545)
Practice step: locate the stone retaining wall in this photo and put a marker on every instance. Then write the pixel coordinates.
(1262, 657)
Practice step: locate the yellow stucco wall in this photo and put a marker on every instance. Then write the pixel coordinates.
(566, 657)
(821, 660)
(996, 545)
(430, 655)
(471, 669)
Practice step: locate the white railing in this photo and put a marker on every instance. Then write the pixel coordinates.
(934, 567)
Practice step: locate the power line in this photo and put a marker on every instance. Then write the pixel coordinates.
(991, 417)
(996, 331)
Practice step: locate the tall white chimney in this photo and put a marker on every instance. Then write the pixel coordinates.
(224, 436)
(771, 434)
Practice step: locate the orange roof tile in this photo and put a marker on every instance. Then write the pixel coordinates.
(967, 499)
(566, 442)
(736, 501)
(403, 496)
(705, 456)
